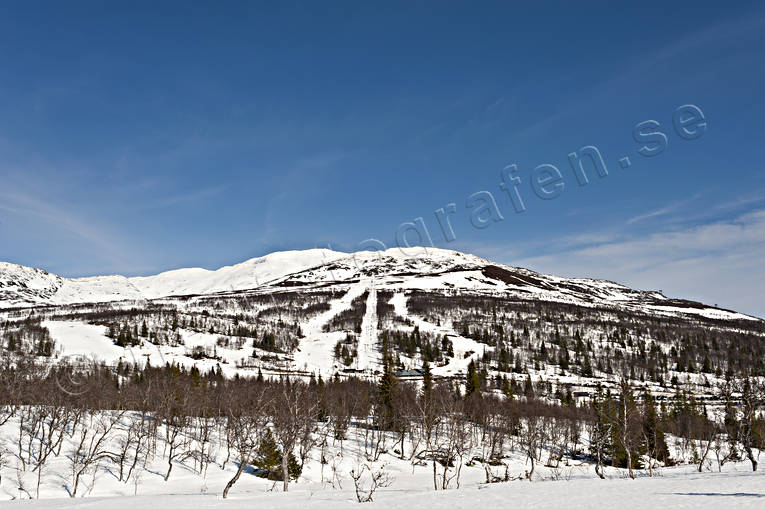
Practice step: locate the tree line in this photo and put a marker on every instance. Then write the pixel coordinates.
(126, 416)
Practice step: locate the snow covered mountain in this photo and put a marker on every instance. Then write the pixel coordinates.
(24, 286)
(395, 269)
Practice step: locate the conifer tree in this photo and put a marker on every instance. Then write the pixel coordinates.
(601, 431)
(473, 382)
(653, 433)
(322, 411)
(267, 457)
(507, 388)
(587, 367)
(387, 388)
(427, 380)
(528, 387)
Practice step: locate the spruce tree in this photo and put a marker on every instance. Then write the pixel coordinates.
(323, 411)
(601, 439)
(473, 382)
(586, 366)
(427, 380)
(528, 387)
(268, 457)
(387, 388)
(507, 388)
(653, 431)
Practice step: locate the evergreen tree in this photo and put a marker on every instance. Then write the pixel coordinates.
(387, 388)
(730, 419)
(121, 340)
(601, 439)
(322, 412)
(655, 442)
(267, 456)
(507, 388)
(528, 387)
(427, 380)
(294, 468)
(587, 367)
(473, 382)
(707, 367)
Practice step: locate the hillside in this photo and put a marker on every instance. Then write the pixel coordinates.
(526, 372)
(321, 311)
(395, 269)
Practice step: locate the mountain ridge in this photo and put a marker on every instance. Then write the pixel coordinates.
(429, 269)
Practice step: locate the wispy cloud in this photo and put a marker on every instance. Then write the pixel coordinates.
(718, 262)
(655, 213)
(45, 216)
(664, 210)
(32, 207)
(178, 199)
(743, 202)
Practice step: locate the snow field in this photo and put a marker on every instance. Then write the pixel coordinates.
(324, 485)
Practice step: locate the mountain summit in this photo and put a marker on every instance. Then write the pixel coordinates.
(428, 269)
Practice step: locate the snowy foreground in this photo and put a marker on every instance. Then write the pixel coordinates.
(571, 484)
(676, 488)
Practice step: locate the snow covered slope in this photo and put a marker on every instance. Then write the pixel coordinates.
(96, 289)
(243, 276)
(320, 486)
(24, 286)
(395, 269)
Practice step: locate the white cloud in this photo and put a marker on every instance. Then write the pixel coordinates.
(664, 210)
(717, 263)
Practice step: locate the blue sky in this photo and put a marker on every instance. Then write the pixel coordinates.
(141, 137)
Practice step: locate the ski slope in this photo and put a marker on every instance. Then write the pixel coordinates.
(465, 349)
(369, 358)
(316, 351)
